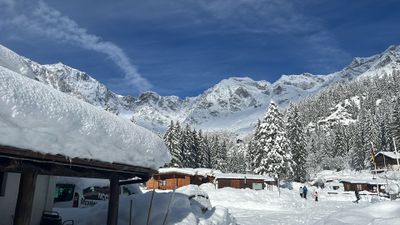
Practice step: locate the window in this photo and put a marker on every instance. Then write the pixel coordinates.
(359, 187)
(163, 182)
(335, 188)
(3, 181)
(64, 192)
(96, 193)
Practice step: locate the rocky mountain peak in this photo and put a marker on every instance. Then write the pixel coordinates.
(234, 103)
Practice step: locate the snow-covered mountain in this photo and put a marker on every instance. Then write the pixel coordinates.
(233, 104)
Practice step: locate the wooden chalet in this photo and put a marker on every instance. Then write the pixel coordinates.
(370, 185)
(235, 180)
(387, 160)
(172, 178)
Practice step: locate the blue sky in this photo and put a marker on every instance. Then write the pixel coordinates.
(182, 47)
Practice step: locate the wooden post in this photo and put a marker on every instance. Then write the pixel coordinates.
(113, 202)
(23, 210)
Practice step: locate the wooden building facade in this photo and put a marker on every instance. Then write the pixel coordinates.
(172, 178)
(251, 181)
(370, 186)
(387, 160)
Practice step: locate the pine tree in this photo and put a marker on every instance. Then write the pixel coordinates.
(208, 153)
(172, 142)
(195, 150)
(222, 156)
(277, 156)
(235, 158)
(295, 134)
(395, 124)
(187, 141)
(255, 151)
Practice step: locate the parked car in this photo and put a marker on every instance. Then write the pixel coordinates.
(197, 196)
(81, 192)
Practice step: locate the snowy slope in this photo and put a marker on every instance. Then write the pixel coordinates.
(234, 104)
(37, 117)
(15, 62)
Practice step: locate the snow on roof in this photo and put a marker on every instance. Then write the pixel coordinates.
(242, 176)
(389, 154)
(363, 181)
(349, 176)
(39, 118)
(189, 171)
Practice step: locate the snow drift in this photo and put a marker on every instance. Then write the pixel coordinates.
(180, 213)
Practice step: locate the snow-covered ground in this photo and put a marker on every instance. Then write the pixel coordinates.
(231, 206)
(186, 207)
(266, 207)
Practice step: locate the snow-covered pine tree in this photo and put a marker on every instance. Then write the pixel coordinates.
(395, 124)
(171, 139)
(187, 147)
(221, 156)
(235, 158)
(195, 150)
(208, 152)
(277, 157)
(255, 152)
(295, 134)
(202, 153)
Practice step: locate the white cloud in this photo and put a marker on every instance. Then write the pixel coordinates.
(41, 19)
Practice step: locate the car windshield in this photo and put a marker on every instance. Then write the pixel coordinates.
(64, 192)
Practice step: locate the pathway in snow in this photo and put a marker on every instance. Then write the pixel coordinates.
(308, 214)
(251, 207)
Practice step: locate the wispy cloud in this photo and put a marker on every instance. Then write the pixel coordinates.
(271, 17)
(42, 20)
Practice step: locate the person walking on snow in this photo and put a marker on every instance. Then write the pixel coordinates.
(301, 192)
(357, 193)
(316, 196)
(305, 192)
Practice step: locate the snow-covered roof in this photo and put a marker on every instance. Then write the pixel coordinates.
(389, 154)
(189, 171)
(39, 118)
(363, 181)
(242, 176)
(359, 177)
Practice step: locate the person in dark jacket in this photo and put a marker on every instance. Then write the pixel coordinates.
(305, 192)
(357, 193)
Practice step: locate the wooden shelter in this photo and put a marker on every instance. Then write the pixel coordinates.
(30, 164)
(363, 185)
(235, 180)
(47, 133)
(171, 178)
(387, 160)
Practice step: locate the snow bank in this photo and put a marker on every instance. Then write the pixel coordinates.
(37, 117)
(382, 213)
(246, 198)
(181, 212)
